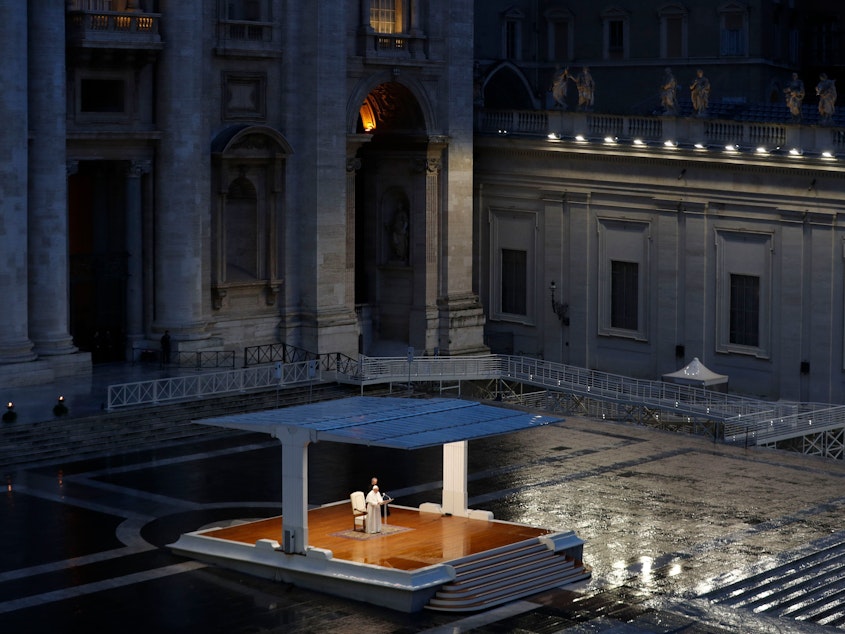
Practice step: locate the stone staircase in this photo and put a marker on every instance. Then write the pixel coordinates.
(141, 428)
(505, 574)
(809, 587)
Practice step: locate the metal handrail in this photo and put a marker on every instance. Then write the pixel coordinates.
(741, 418)
(195, 386)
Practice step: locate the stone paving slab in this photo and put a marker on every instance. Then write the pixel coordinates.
(665, 517)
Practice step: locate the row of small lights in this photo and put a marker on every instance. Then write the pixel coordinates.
(731, 148)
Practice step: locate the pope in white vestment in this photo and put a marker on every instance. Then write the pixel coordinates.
(374, 501)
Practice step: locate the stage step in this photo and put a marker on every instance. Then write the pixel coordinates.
(520, 570)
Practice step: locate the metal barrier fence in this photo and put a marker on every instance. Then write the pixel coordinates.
(204, 359)
(211, 384)
(741, 419)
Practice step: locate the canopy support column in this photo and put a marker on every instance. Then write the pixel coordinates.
(294, 488)
(455, 478)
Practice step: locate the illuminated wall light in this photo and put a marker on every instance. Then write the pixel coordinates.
(731, 147)
(762, 150)
(580, 137)
(670, 143)
(700, 146)
(828, 154)
(554, 136)
(639, 142)
(610, 139)
(795, 152)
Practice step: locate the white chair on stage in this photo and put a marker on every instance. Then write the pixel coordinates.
(359, 510)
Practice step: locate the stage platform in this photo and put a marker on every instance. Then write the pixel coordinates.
(403, 567)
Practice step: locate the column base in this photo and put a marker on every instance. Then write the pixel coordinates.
(462, 325)
(37, 372)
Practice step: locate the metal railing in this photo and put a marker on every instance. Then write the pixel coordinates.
(738, 418)
(204, 359)
(285, 353)
(196, 386)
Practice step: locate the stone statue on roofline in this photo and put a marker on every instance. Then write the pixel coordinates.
(795, 97)
(586, 90)
(559, 88)
(826, 90)
(700, 93)
(669, 93)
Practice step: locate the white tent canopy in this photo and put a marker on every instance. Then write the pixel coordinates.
(696, 374)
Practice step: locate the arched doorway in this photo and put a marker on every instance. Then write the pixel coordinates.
(395, 267)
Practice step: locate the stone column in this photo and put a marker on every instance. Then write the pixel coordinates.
(134, 247)
(183, 198)
(15, 345)
(48, 216)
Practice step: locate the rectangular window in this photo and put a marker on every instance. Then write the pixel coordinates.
(514, 282)
(616, 39)
(246, 10)
(624, 295)
(511, 40)
(733, 34)
(383, 16)
(674, 36)
(560, 44)
(101, 95)
(745, 310)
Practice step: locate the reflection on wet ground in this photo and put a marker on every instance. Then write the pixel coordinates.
(682, 535)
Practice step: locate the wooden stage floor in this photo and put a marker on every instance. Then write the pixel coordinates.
(410, 539)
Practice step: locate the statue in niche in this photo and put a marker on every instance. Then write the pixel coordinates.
(669, 93)
(826, 90)
(399, 234)
(559, 88)
(700, 93)
(586, 90)
(794, 97)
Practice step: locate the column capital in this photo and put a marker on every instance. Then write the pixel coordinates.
(138, 168)
(353, 164)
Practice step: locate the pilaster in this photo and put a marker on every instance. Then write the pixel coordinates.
(134, 246)
(182, 226)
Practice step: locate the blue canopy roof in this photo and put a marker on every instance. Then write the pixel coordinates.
(399, 423)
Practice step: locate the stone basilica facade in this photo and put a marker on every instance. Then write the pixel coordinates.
(366, 176)
(237, 173)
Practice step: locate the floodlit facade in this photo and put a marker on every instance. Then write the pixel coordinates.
(620, 234)
(238, 173)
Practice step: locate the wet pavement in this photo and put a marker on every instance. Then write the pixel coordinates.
(683, 535)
